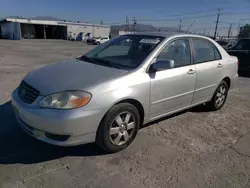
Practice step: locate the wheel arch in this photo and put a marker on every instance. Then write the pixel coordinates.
(135, 103)
(228, 81)
(138, 105)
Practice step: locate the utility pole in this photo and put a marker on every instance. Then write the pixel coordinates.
(126, 23)
(239, 28)
(180, 26)
(134, 23)
(229, 31)
(217, 22)
(204, 33)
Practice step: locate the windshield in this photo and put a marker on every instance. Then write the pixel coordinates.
(124, 52)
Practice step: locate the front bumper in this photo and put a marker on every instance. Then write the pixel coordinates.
(76, 126)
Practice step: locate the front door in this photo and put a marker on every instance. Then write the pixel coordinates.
(173, 89)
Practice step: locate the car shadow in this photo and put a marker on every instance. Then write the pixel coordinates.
(196, 109)
(18, 147)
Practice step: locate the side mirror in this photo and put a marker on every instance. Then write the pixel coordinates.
(161, 64)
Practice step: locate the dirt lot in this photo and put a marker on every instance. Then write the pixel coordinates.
(193, 149)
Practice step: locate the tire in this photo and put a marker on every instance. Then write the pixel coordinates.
(98, 43)
(115, 134)
(221, 92)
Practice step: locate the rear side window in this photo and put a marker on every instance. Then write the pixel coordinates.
(205, 51)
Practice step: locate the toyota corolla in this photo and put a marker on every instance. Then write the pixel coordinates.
(107, 94)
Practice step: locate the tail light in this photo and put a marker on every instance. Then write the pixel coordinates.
(238, 63)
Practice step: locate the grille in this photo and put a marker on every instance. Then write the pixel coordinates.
(27, 93)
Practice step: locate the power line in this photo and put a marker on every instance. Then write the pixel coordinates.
(115, 23)
(167, 19)
(227, 22)
(190, 13)
(235, 13)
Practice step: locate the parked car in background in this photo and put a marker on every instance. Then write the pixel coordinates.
(106, 95)
(80, 37)
(76, 37)
(90, 40)
(242, 51)
(227, 44)
(100, 40)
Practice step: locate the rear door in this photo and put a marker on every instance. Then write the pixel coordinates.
(209, 67)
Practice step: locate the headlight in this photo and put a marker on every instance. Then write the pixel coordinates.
(66, 100)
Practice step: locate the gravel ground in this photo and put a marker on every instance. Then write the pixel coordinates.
(192, 149)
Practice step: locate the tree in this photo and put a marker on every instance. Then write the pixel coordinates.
(244, 31)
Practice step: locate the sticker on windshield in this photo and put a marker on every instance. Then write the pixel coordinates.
(150, 41)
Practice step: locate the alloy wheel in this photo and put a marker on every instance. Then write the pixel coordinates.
(220, 96)
(122, 128)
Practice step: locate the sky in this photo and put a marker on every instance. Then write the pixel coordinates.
(157, 12)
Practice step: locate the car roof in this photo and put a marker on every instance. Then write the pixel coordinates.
(166, 34)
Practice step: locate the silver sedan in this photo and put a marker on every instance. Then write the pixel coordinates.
(106, 95)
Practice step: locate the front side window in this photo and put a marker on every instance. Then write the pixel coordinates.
(124, 52)
(178, 51)
(205, 51)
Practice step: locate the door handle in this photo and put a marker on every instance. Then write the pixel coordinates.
(191, 71)
(219, 65)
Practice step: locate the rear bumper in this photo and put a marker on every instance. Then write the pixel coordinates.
(233, 82)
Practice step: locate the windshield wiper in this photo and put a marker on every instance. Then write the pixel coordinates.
(106, 62)
(99, 61)
(85, 58)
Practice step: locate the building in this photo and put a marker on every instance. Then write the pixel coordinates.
(18, 28)
(95, 30)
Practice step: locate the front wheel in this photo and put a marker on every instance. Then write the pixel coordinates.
(219, 97)
(118, 128)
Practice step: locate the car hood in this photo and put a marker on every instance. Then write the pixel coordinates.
(70, 75)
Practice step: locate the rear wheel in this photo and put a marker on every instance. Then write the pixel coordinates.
(219, 97)
(118, 128)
